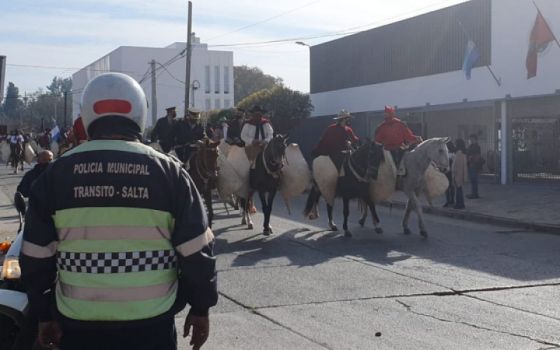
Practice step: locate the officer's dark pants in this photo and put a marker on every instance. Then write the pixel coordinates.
(157, 336)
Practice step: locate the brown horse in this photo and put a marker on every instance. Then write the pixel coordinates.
(16, 156)
(203, 169)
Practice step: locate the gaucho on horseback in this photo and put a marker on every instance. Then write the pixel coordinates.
(256, 133)
(186, 133)
(338, 137)
(394, 136)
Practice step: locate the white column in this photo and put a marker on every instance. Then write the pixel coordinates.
(504, 143)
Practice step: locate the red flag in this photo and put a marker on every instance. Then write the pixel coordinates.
(541, 36)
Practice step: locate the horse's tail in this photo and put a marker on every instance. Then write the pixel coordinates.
(312, 199)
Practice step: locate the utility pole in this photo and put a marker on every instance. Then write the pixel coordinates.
(188, 58)
(154, 93)
(65, 108)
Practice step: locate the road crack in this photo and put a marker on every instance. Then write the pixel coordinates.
(409, 309)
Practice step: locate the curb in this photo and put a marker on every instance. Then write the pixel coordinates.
(483, 218)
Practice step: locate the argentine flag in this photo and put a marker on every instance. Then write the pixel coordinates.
(55, 134)
(472, 55)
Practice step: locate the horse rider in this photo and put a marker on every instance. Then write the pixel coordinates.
(116, 239)
(256, 132)
(186, 133)
(394, 136)
(43, 160)
(337, 138)
(16, 141)
(232, 134)
(45, 140)
(163, 130)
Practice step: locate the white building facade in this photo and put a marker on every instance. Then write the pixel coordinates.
(211, 76)
(416, 65)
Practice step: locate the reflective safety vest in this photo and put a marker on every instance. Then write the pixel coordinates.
(114, 263)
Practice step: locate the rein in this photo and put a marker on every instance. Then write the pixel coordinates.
(355, 172)
(274, 174)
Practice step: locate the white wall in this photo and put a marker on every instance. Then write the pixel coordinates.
(134, 61)
(512, 21)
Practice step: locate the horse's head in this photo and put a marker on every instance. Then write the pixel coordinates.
(208, 157)
(437, 152)
(277, 148)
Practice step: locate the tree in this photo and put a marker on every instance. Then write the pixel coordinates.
(59, 85)
(286, 107)
(249, 80)
(12, 104)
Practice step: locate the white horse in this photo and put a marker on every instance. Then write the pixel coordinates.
(416, 162)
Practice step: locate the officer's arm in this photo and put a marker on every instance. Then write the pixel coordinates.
(194, 241)
(24, 186)
(38, 252)
(154, 134)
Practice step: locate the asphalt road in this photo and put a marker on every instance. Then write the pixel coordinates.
(467, 286)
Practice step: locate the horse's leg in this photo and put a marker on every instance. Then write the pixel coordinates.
(248, 208)
(346, 212)
(242, 209)
(420, 215)
(310, 210)
(374, 216)
(270, 201)
(407, 211)
(262, 196)
(364, 212)
(332, 225)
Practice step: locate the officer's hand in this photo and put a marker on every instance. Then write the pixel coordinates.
(200, 330)
(49, 334)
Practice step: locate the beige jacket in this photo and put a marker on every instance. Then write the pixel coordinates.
(459, 169)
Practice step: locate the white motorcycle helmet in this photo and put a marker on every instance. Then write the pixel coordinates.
(114, 94)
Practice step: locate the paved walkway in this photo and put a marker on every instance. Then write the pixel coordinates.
(528, 206)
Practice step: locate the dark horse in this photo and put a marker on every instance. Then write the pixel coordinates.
(265, 179)
(16, 156)
(203, 169)
(353, 184)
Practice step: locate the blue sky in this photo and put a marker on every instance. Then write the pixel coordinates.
(70, 34)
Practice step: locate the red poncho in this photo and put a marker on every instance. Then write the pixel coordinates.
(334, 140)
(392, 133)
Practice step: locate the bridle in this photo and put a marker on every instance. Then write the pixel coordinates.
(354, 168)
(273, 169)
(201, 165)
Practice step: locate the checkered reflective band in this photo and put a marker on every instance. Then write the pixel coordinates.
(116, 262)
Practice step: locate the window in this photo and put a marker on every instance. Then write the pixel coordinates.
(226, 80)
(227, 103)
(207, 79)
(217, 104)
(208, 105)
(217, 79)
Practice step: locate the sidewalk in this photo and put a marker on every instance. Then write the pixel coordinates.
(524, 206)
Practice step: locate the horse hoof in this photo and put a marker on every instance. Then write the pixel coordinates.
(333, 227)
(243, 221)
(407, 231)
(313, 216)
(347, 234)
(424, 234)
(250, 226)
(362, 222)
(267, 232)
(378, 230)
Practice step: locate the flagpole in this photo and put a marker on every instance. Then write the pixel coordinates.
(498, 80)
(554, 36)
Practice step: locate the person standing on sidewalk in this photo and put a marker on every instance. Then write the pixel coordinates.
(474, 161)
(116, 239)
(450, 192)
(459, 170)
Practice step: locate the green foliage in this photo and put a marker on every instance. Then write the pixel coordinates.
(249, 80)
(12, 104)
(59, 85)
(286, 107)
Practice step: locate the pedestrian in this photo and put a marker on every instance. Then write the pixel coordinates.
(475, 162)
(450, 192)
(43, 160)
(459, 170)
(116, 239)
(163, 130)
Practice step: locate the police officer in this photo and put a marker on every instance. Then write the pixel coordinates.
(163, 130)
(186, 133)
(116, 239)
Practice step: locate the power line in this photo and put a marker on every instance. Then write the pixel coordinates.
(65, 68)
(267, 19)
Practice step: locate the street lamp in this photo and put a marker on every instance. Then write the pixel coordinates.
(195, 86)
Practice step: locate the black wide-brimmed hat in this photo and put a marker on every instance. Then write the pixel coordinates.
(258, 108)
